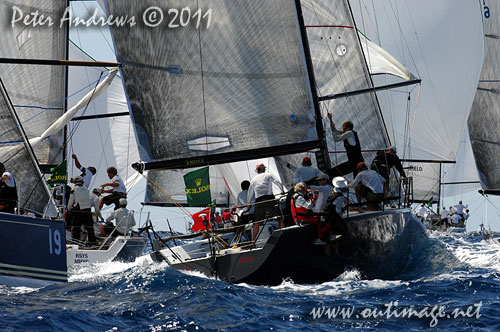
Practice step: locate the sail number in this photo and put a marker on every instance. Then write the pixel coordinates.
(486, 10)
(176, 18)
(55, 244)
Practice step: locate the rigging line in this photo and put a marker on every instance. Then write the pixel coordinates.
(88, 79)
(100, 31)
(179, 205)
(448, 142)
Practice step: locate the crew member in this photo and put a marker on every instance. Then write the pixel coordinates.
(261, 194)
(87, 172)
(368, 184)
(383, 163)
(79, 204)
(117, 190)
(124, 220)
(8, 191)
(352, 147)
(306, 172)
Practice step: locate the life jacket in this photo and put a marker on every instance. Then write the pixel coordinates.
(298, 213)
(353, 152)
(329, 207)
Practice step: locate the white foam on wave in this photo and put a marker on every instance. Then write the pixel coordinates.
(347, 283)
(481, 255)
(105, 271)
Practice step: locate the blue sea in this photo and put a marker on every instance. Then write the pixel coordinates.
(452, 283)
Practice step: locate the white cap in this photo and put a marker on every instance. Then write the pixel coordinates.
(123, 202)
(339, 182)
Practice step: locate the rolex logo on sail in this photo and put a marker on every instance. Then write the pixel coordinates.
(198, 182)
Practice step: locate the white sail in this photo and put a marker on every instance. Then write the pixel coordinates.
(431, 127)
(381, 62)
(100, 142)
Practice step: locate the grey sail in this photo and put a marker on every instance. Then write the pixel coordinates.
(234, 90)
(484, 118)
(37, 92)
(18, 158)
(340, 66)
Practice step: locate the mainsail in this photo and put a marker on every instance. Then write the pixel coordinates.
(37, 92)
(484, 119)
(235, 90)
(18, 158)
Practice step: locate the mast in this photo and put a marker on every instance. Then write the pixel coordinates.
(440, 183)
(325, 163)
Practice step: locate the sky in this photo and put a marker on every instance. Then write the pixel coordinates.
(439, 41)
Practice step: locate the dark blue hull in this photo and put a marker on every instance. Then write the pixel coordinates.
(32, 251)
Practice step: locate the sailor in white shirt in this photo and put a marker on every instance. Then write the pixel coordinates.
(87, 172)
(306, 172)
(245, 214)
(422, 212)
(456, 219)
(460, 208)
(260, 192)
(371, 185)
(444, 217)
(79, 205)
(117, 190)
(323, 188)
(124, 219)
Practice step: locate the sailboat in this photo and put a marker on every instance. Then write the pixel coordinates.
(33, 100)
(244, 88)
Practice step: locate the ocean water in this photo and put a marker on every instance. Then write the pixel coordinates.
(452, 283)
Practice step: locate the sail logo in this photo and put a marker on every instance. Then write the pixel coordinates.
(198, 190)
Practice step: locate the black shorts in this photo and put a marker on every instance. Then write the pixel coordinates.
(114, 198)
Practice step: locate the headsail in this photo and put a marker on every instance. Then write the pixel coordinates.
(18, 158)
(37, 92)
(484, 119)
(113, 135)
(235, 90)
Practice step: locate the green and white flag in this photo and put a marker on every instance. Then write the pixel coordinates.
(59, 175)
(198, 187)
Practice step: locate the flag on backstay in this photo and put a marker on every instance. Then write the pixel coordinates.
(198, 187)
(59, 175)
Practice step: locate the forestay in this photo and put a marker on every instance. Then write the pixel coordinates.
(37, 92)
